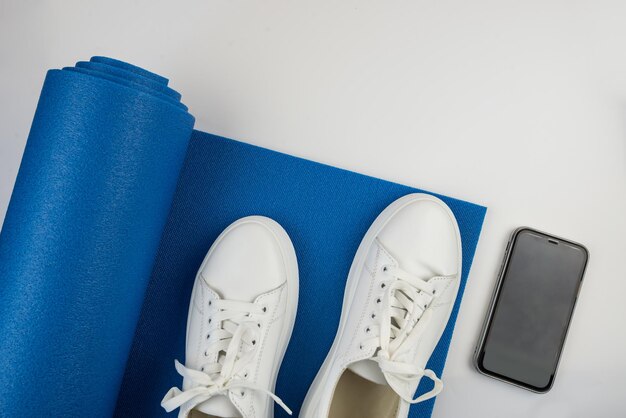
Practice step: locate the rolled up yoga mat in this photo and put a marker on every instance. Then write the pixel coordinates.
(81, 234)
(116, 202)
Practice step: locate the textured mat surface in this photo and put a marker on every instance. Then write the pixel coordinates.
(326, 212)
(97, 263)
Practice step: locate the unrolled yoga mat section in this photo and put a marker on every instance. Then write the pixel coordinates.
(326, 211)
(81, 234)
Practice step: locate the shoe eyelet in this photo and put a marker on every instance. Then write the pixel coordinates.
(245, 375)
(434, 292)
(258, 324)
(243, 394)
(202, 368)
(210, 320)
(206, 354)
(382, 285)
(253, 342)
(210, 303)
(265, 309)
(360, 346)
(208, 336)
(378, 300)
(385, 268)
(373, 315)
(368, 330)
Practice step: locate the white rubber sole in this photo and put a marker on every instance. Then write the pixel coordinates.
(293, 284)
(356, 268)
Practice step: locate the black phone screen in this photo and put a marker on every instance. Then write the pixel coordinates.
(533, 309)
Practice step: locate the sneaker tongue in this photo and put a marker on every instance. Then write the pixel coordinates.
(218, 406)
(369, 370)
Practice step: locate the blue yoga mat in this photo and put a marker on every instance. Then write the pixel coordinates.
(107, 226)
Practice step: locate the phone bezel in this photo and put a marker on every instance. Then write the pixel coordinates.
(494, 299)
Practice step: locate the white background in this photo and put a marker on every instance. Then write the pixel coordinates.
(519, 106)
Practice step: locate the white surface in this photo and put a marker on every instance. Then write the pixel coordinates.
(520, 106)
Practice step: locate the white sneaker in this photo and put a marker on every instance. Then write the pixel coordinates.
(400, 291)
(241, 314)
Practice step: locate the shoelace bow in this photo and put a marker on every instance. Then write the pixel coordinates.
(404, 315)
(234, 342)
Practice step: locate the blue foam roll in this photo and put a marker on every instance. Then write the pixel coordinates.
(81, 234)
(104, 224)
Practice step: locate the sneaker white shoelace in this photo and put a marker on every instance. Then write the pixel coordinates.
(403, 316)
(235, 343)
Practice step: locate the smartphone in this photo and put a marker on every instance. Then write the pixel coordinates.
(531, 309)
